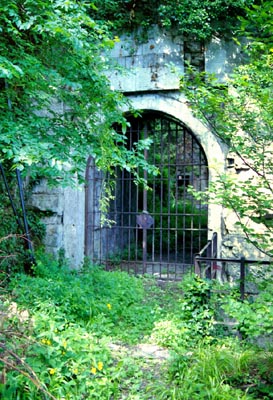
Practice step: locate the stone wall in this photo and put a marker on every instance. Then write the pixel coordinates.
(158, 63)
(63, 218)
(148, 72)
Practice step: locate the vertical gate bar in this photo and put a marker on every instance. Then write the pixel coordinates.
(154, 227)
(197, 203)
(168, 127)
(129, 216)
(90, 215)
(131, 220)
(192, 201)
(169, 192)
(161, 197)
(95, 213)
(121, 216)
(154, 205)
(184, 197)
(176, 196)
(113, 231)
(86, 217)
(203, 235)
(136, 209)
(98, 226)
(145, 210)
(104, 245)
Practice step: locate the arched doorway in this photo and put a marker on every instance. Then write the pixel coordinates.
(159, 230)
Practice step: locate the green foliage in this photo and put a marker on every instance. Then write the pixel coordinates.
(195, 320)
(58, 330)
(209, 372)
(239, 112)
(56, 104)
(87, 297)
(257, 26)
(201, 18)
(196, 307)
(63, 342)
(195, 18)
(255, 314)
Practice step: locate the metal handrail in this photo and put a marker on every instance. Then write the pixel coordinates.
(211, 262)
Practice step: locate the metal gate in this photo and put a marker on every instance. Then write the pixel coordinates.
(156, 231)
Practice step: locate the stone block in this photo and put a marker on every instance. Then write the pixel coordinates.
(54, 219)
(47, 202)
(54, 236)
(221, 57)
(43, 188)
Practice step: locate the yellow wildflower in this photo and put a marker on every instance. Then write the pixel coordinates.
(64, 344)
(52, 371)
(93, 370)
(75, 371)
(100, 366)
(109, 306)
(46, 341)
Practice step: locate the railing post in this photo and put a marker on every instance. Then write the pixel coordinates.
(215, 245)
(209, 264)
(197, 269)
(242, 278)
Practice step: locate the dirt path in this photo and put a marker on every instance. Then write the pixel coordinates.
(143, 365)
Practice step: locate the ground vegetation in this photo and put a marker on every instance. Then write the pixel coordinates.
(107, 335)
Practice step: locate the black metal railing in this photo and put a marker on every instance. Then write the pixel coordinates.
(206, 264)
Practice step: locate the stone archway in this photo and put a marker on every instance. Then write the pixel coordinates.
(160, 232)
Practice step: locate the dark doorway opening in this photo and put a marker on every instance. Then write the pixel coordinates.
(155, 231)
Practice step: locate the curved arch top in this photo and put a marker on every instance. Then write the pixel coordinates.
(175, 105)
(177, 108)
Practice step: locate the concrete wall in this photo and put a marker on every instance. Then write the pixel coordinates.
(158, 63)
(64, 220)
(149, 73)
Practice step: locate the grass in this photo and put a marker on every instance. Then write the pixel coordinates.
(94, 334)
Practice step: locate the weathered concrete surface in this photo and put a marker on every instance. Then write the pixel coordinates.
(64, 220)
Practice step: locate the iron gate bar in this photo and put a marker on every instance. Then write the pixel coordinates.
(145, 206)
